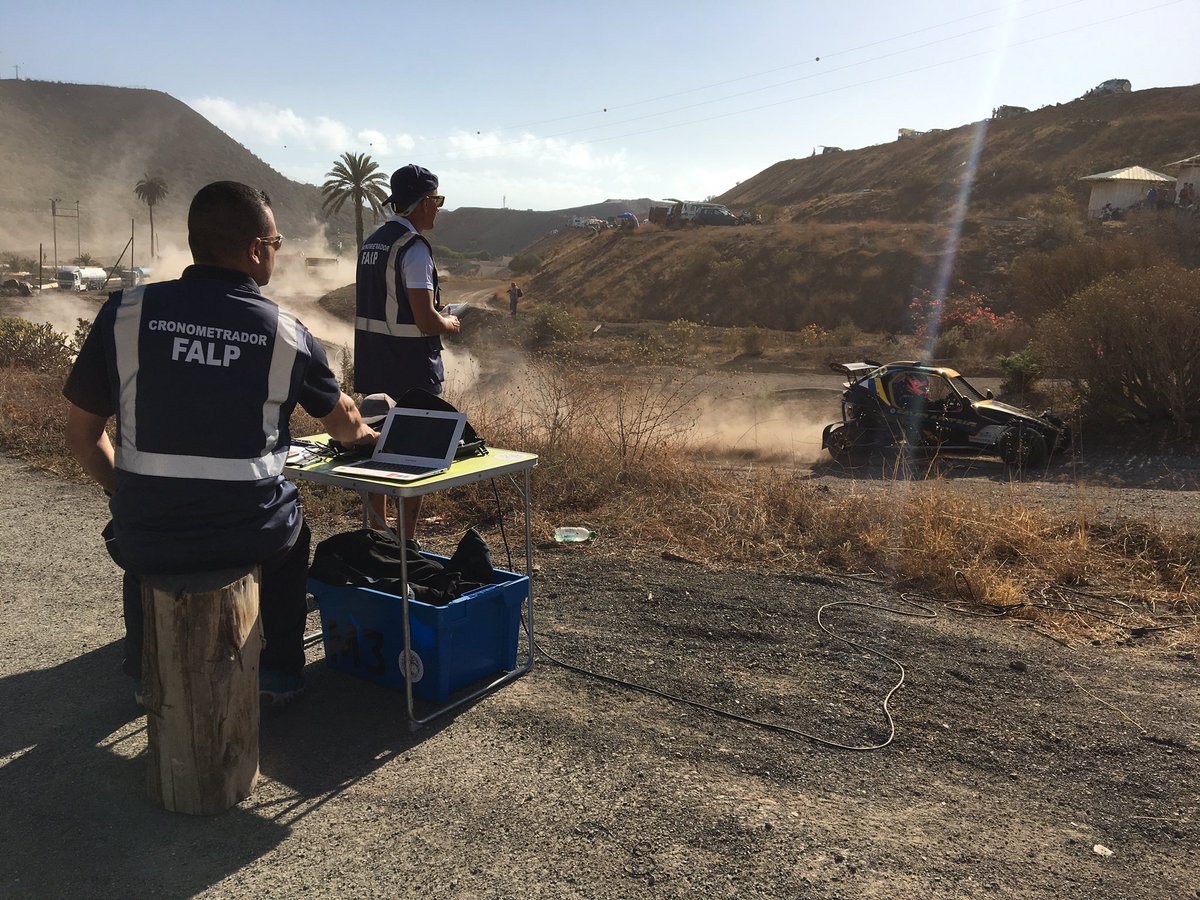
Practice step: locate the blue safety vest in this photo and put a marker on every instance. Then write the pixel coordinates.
(391, 354)
(202, 374)
(211, 382)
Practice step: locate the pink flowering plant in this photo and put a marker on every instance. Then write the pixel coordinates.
(963, 308)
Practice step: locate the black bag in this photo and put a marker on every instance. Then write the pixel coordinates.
(371, 557)
(471, 444)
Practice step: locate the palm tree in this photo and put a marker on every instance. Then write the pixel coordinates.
(355, 177)
(151, 191)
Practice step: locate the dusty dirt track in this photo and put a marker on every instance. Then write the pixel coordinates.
(1014, 756)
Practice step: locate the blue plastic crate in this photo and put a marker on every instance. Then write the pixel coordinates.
(453, 645)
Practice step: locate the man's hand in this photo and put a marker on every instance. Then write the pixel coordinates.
(346, 426)
(452, 325)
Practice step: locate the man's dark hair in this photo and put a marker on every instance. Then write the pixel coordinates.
(224, 217)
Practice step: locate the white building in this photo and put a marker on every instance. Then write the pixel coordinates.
(1123, 188)
(1189, 171)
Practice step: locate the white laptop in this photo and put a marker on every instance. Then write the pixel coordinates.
(413, 444)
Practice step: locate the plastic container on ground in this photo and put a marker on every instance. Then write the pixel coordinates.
(453, 645)
(566, 534)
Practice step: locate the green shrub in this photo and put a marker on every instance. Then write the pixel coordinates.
(1130, 345)
(950, 344)
(523, 264)
(1021, 371)
(28, 346)
(548, 324)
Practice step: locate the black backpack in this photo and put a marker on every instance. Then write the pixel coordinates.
(471, 444)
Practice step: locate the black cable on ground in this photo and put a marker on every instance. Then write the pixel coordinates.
(924, 612)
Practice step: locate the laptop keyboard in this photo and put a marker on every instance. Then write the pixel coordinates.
(391, 467)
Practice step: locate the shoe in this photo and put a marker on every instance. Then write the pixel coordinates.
(279, 687)
(138, 692)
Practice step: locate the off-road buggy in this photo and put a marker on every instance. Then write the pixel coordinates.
(911, 406)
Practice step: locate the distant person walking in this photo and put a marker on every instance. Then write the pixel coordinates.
(514, 294)
(398, 319)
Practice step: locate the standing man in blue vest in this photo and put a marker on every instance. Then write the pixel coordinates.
(202, 375)
(398, 322)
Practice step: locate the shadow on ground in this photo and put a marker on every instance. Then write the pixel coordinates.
(76, 818)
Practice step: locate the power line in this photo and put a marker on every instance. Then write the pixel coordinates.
(808, 62)
(864, 83)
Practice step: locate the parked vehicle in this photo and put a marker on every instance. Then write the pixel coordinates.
(908, 405)
(684, 211)
(711, 216)
(69, 278)
(75, 278)
(1112, 86)
(135, 276)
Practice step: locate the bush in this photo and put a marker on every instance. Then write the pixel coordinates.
(962, 308)
(28, 346)
(523, 264)
(1021, 371)
(684, 335)
(548, 324)
(1044, 281)
(813, 336)
(751, 341)
(1130, 344)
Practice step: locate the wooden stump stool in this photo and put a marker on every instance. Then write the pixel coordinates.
(200, 681)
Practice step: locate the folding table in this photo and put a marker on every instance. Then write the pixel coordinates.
(494, 464)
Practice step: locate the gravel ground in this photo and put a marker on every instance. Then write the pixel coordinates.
(1020, 768)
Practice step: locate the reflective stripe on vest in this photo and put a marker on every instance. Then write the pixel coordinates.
(391, 309)
(126, 330)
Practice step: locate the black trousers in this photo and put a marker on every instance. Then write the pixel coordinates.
(282, 606)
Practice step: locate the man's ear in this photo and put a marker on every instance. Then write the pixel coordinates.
(256, 251)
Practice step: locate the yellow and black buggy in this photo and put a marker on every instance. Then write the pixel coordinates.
(908, 406)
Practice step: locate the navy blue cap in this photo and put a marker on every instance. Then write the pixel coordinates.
(409, 184)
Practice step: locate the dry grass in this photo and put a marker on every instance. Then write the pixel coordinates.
(612, 456)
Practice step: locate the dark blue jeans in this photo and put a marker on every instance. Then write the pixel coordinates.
(281, 597)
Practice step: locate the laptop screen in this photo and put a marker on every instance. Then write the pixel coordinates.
(421, 436)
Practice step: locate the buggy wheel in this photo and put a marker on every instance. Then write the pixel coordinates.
(1023, 450)
(845, 446)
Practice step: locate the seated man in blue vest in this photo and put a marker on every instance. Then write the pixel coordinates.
(202, 375)
(398, 318)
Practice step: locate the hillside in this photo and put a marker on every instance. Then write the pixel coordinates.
(92, 143)
(1021, 158)
(852, 235)
(506, 231)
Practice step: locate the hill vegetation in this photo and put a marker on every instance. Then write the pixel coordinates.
(852, 237)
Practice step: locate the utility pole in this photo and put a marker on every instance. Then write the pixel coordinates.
(17, 72)
(54, 220)
(78, 242)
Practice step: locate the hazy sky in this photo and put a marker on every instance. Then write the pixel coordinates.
(547, 105)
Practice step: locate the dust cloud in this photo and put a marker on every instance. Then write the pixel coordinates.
(763, 427)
